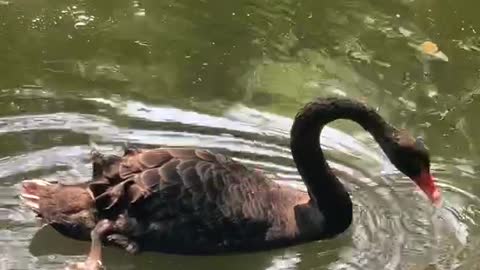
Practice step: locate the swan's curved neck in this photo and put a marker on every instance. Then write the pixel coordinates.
(325, 190)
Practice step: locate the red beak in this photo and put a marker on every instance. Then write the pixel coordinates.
(426, 182)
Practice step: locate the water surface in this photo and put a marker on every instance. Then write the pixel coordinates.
(230, 76)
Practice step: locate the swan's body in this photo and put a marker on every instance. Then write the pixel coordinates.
(195, 201)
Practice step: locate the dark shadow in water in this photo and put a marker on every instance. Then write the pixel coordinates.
(47, 242)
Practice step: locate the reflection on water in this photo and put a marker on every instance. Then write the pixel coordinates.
(230, 76)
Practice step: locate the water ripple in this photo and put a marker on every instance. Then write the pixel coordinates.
(394, 226)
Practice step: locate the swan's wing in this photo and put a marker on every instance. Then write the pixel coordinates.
(192, 181)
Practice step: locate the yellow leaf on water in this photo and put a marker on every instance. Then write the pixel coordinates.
(431, 49)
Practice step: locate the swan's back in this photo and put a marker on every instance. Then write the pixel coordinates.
(190, 200)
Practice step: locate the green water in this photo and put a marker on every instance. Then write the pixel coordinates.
(230, 75)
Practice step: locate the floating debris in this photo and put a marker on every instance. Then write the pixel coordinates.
(431, 50)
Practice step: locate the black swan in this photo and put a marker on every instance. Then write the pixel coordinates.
(193, 201)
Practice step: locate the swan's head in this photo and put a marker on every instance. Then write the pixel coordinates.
(69, 209)
(412, 158)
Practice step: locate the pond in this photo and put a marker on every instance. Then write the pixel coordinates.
(230, 76)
